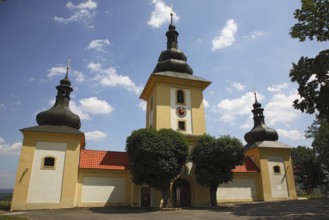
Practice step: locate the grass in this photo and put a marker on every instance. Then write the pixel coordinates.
(5, 206)
(5, 203)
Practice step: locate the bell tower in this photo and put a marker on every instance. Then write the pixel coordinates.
(48, 165)
(173, 94)
(272, 157)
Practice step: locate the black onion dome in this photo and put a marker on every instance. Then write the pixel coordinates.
(260, 131)
(172, 59)
(60, 114)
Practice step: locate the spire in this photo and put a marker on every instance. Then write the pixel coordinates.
(171, 14)
(172, 59)
(67, 68)
(172, 34)
(260, 131)
(60, 114)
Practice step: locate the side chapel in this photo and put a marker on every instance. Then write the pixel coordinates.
(55, 169)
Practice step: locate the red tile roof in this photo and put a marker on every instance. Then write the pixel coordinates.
(111, 160)
(107, 160)
(248, 167)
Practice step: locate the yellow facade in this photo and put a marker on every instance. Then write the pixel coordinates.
(70, 174)
(260, 156)
(157, 93)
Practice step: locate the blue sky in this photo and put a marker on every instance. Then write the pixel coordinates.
(114, 46)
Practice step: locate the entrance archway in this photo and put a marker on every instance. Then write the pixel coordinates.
(181, 193)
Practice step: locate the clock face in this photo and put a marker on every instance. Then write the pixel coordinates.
(181, 112)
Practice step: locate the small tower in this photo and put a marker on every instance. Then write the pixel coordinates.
(173, 94)
(272, 157)
(48, 165)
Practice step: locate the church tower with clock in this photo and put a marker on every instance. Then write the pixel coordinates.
(173, 94)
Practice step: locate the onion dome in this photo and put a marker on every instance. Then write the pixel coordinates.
(60, 114)
(260, 131)
(172, 59)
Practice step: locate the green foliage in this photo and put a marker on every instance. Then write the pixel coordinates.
(312, 76)
(321, 144)
(312, 73)
(5, 202)
(319, 131)
(214, 159)
(156, 157)
(313, 21)
(307, 169)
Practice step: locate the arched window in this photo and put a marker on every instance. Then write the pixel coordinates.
(276, 170)
(180, 97)
(48, 162)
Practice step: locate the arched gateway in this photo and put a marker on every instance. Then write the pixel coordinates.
(181, 195)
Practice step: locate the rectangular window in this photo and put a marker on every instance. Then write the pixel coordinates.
(181, 126)
(276, 170)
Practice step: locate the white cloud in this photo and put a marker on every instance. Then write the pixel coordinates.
(161, 14)
(82, 13)
(290, 134)
(255, 34)
(226, 38)
(94, 66)
(95, 135)
(205, 103)
(56, 71)
(280, 110)
(9, 148)
(79, 76)
(142, 105)
(248, 124)
(237, 86)
(110, 77)
(98, 45)
(76, 109)
(95, 106)
(87, 107)
(88, 5)
(231, 109)
(278, 87)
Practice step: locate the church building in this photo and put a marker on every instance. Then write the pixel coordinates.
(55, 169)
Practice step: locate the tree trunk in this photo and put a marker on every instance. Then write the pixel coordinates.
(213, 195)
(166, 197)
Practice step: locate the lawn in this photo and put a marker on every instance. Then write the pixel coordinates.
(5, 206)
(5, 203)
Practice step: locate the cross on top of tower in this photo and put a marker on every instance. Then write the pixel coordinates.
(67, 68)
(171, 14)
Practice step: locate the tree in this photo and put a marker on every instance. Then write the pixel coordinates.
(307, 169)
(214, 159)
(319, 131)
(156, 158)
(313, 21)
(312, 73)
